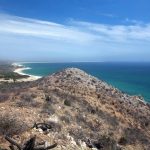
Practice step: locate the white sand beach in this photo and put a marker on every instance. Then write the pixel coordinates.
(30, 78)
(20, 70)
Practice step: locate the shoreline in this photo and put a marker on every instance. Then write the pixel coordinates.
(20, 71)
(19, 68)
(29, 78)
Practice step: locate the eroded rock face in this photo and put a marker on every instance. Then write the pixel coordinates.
(86, 108)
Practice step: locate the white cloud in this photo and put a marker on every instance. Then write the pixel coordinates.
(118, 33)
(76, 40)
(74, 31)
(43, 29)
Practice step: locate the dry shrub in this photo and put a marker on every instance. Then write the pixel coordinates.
(3, 97)
(123, 141)
(22, 103)
(52, 98)
(106, 143)
(27, 100)
(48, 108)
(80, 120)
(132, 135)
(66, 118)
(56, 127)
(11, 124)
(26, 97)
(78, 134)
(33, 95)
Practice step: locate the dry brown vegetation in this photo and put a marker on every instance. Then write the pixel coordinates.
(11, 124)
(83, 112)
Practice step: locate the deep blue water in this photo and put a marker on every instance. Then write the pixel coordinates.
(132, 78)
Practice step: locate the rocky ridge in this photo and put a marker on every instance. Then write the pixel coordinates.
(83, 111)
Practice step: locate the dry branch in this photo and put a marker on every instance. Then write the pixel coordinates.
(29, 145)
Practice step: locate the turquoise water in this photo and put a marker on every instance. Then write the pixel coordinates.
(131, 78)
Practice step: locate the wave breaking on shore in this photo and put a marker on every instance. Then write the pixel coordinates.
(20, 70)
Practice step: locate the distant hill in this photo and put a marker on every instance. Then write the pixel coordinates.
(82, 111)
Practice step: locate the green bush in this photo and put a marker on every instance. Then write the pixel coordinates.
(67, 103)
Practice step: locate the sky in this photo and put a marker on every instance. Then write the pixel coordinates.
(75, 30)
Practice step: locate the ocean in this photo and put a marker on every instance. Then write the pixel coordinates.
(131, 78)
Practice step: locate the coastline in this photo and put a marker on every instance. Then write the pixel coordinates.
(20, 71)
(19, 68)
(122, 84)
(30, 78)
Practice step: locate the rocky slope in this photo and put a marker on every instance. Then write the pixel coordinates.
(83, 113)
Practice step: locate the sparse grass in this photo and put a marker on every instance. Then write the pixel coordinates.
(80, 119)
(106, 142)
(48, 108)
(66, 118)
(4, 97)
(132, 135)
(78, 134)
(52, 98)
(27, 100)
(56, 127)
(26, 97)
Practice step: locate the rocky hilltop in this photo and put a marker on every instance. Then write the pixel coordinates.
(76, 111)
